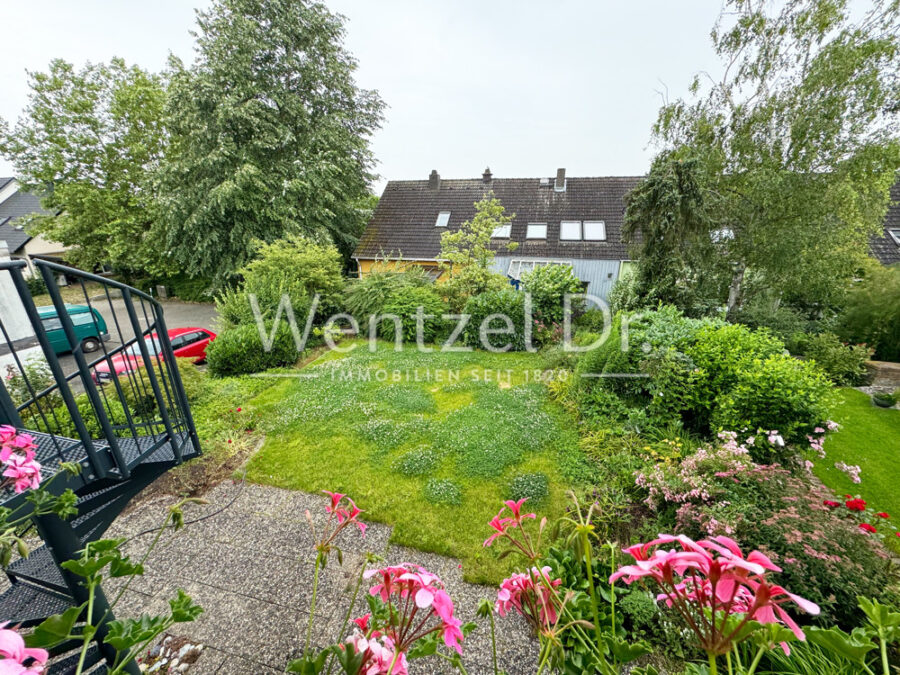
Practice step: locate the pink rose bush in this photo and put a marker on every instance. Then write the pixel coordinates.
(21, 470)
(16, 658)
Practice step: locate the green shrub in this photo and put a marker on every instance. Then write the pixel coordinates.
(36, 285)
(439, 491)
(845, 365)
(405, 305)
(548, 285)
(531, 486)
(509, 303)
(780, 393)
(296, 267)
(783, 320)
(624, 296)
(872, 313)
(369, 295)
(239, 350)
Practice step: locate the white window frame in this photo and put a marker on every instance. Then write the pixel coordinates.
(895, 234)
(528, 231)
(584, 232)
(577, 224)
(516, 263)
(442, 216)
(502, 232)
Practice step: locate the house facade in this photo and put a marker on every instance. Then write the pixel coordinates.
(558, 220)
(15, 205)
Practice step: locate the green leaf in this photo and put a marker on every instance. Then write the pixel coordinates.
(183, 608)
(55, 630)
(852, 647)
(624, 651)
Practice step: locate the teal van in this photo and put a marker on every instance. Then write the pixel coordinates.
(90, 328)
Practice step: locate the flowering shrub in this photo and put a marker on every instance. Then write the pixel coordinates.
(716, 590)
(825, 556)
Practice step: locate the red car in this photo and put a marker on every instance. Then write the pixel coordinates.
(187, 343)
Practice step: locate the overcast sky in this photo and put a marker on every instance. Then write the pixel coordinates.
(522, 86)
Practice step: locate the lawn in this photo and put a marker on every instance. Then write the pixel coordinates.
(870, 438)
(429, 443)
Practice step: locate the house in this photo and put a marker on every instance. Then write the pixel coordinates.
(886, 248)
(561, 219)
(16, 204)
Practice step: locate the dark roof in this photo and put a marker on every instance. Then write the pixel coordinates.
(11, 209)
(885, 248)
(404, 221)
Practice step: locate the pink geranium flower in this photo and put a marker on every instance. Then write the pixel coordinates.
(16, 657)
(25, 473)
(531, 595)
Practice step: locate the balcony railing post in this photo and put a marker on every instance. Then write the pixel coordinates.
(177, 385)
(8, 410)
(83, 371)
(148, 364)
(99, 467)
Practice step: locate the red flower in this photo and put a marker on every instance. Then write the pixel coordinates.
(830, 504)
(882, 515)
(856, 504)
(865, 527)
(239, 410)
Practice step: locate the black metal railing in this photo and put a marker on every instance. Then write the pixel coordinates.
(108, 411)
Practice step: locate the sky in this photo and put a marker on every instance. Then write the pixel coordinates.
(523, 87)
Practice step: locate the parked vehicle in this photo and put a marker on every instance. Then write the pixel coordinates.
(186, 343)
(90, 328)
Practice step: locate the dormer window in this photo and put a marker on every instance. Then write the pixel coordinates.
(536, 231)
(443, 219)
(577, 230)
(502, 232)
(895, 235)
(594, 230)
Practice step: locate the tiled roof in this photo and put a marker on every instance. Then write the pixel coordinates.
(885, 248)
(19, 204)
(404, 221)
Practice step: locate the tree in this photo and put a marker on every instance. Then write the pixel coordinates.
(467, 256)
(86, 142)
(796, 143)
(269, 135)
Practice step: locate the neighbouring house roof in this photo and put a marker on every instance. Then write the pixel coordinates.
(886, 248)
(12, 208)
(404, 221)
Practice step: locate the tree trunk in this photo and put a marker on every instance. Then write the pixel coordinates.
(735, 290)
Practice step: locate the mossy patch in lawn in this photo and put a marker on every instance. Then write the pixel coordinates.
(447, 423)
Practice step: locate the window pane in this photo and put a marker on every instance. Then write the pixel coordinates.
(52, 324)
(442, 219)
(536, 231)
(570, 230)
(896, 235)
(594, 230)
(502, 232)
(82, 319)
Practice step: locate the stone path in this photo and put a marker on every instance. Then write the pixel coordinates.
(251, 567)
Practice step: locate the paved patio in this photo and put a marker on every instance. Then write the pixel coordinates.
(251, 567)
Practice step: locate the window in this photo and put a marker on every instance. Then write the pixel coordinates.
(52, 323)
(81, 319)
(518, 267)
(502, 232)
(536, 231)
(895, 234)
(443, 219)
(594, 230)
(570, 230)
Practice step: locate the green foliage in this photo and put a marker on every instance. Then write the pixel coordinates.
(531, 486)
(286, 151)
(780, 393)
(508, 303)
(86, 144)
(239, 350)
(294, 266)
(406, 305)
(795, 147)
(369, 295)
(548, 285)
(845, 365)
(442, 491)
(467, 254)
(36, 284)
(872, 312)
(417, 462)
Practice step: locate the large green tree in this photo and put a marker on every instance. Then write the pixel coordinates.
(269, 135)
(795, 144)
(86, 142)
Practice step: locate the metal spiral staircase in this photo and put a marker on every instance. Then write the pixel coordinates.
(124, 431)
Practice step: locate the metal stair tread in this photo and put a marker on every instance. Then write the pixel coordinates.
(28, 605)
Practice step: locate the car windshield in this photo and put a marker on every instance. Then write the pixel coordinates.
(152, 347)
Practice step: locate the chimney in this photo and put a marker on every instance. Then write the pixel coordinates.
(434, 180)
(560, 185)
(486, 176)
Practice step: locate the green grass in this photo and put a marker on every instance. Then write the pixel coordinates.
(434, 458)
(870, 438)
